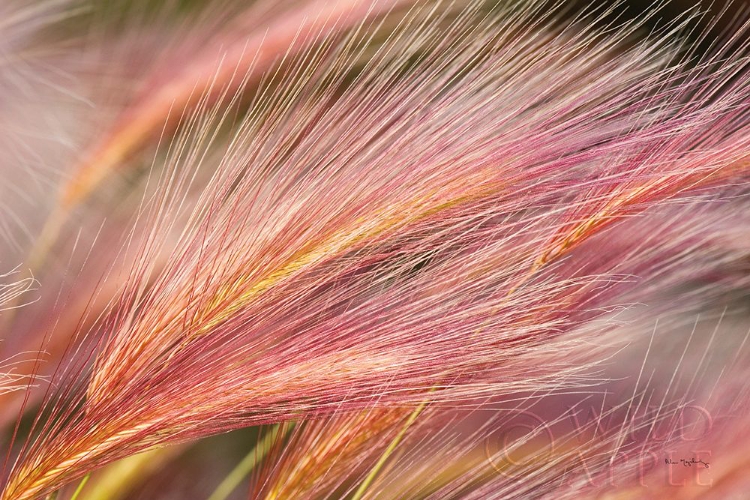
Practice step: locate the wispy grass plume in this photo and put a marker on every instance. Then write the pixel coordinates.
(422, 211)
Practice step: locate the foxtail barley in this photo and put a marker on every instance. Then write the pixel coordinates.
(423, 205)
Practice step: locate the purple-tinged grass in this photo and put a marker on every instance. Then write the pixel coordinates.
(438, 219)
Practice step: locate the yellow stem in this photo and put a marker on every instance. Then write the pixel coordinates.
(247, 464)
(80, 487)
(389, 451)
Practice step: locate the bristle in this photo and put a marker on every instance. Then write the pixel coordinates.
(11, 290)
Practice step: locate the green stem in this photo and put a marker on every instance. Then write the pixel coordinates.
(80, 487)
(247, 464)
(389, 451)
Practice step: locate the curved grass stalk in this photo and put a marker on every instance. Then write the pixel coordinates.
(373, 474)
(80, 487)
(251, 460)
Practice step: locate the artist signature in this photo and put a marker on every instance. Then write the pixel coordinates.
(686, 462)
